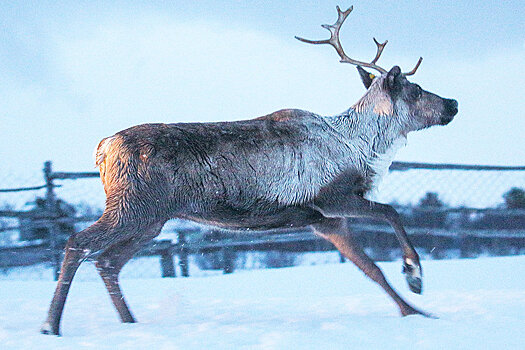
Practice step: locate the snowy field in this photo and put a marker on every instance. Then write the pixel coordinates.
(480, 304)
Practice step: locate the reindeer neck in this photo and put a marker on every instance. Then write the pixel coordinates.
(372, 141)
(374, 133)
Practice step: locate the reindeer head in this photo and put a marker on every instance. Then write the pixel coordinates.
(391, 93)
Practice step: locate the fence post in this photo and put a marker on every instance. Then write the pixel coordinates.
(228, 260)
(166, 263)
(50, 201)
(183, 254)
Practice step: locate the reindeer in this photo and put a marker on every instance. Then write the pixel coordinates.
(291, 168)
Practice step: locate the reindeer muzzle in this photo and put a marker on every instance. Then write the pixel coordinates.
(450, 110)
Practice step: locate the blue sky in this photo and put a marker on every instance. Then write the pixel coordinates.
(75, 72)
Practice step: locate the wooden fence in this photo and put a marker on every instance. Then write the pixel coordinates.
(377, 238)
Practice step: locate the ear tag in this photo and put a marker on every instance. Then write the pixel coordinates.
(371, 76)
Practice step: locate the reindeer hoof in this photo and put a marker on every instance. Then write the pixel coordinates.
(413, 275)
(409, 310)
(47, 329)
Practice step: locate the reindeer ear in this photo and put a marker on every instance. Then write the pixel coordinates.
(392, 78)
(366, 77)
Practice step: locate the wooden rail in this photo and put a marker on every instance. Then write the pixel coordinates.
(403, 166)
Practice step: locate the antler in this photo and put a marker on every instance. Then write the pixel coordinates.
(334, 41)
(415, 68)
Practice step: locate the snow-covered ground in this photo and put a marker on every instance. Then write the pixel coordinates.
(480, 304)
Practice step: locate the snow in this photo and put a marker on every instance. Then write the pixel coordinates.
(480, 304)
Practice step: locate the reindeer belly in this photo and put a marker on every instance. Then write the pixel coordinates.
(230, 217)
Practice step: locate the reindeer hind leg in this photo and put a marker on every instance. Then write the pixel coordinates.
(77, 249)
(112, 260)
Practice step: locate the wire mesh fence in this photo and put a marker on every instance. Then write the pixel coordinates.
(472, 188)
(447, 197)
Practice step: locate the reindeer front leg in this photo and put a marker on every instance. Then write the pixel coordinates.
(338, 204)
(336, 232)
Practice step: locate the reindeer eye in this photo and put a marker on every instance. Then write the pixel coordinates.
(418, 91)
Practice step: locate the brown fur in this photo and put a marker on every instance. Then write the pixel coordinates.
(376, 99)
(282, 115)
